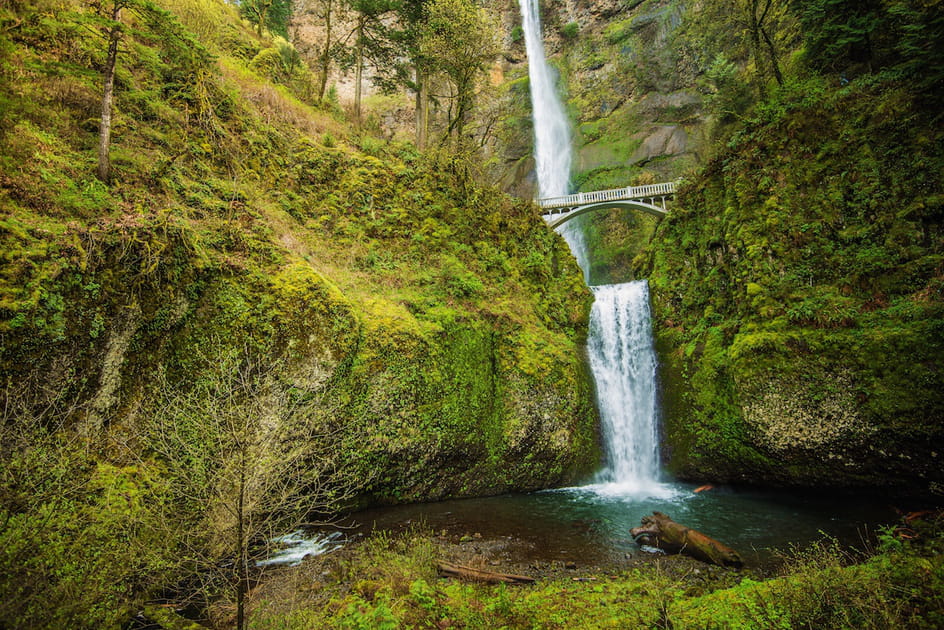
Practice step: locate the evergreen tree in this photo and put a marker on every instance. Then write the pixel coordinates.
(919, 40)
(268, 14)
(839, 33)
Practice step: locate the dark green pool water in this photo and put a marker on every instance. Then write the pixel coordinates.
(591, 524)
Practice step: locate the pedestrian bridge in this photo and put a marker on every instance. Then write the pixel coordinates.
(651, 198)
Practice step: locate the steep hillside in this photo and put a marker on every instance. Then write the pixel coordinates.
(404, 333)
(240, 216)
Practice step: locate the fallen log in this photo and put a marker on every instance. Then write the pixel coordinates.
(479, 575)
(663, 533)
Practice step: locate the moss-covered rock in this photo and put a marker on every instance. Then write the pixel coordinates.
(439, 321)
(797, 297)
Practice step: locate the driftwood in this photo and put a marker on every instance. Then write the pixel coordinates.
(662, 532)
(478, 575)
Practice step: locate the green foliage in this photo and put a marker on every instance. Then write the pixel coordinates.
(570, 30)
(431, 324)
(383, 285)
(919, 32)
(777, 265)
(386, 581)
(855, 37)
(517, 34)
(279, 63)
(839, 32)
(268, 14)
(78, 534)
(731, 96)
(458, 40)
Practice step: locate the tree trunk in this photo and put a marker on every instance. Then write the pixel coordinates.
(111, 60)
(774, 64)
(464, 104)
(359, 71)
(771, 50)
(422, 108)
(325, 60)
(754, 27)
(478, 575)
(242, 552)
(662, 532)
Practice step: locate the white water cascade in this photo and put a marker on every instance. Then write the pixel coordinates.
(552, 151)
(622, 357)
(623, 362)
(552, 142)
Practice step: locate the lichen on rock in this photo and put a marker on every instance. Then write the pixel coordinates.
(786, 416)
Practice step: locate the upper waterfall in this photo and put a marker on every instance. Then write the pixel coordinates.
(552, 142)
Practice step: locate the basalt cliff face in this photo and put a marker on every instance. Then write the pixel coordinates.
(796, 282)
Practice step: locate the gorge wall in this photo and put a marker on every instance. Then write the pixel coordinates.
(797, 287)
(797, 281)
(438, 324)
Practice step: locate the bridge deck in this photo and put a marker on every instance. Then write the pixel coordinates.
(619, 194)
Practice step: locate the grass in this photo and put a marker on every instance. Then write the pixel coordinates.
(391, 582)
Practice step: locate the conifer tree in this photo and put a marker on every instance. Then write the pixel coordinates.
(838, 33)
(268, 14)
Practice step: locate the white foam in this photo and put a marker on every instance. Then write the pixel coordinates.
(297, 545)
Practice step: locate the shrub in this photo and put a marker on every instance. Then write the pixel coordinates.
(570, 30)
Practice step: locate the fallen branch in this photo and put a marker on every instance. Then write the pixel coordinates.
(478, 575)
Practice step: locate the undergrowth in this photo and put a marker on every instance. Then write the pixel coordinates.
(391, 582)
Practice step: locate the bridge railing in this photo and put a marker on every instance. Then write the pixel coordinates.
(600, 196)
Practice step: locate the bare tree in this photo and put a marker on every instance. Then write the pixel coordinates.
(113, 33)
(250, 457)
(330, 18)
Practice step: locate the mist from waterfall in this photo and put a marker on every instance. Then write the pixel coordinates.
(620, 346)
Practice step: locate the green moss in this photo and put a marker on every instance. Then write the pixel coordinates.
(431, 325)
(385, 282)
(823, 586)
(785, 299)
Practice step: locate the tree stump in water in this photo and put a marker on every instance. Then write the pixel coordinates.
(662, 532)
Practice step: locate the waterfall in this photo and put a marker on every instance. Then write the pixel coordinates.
(620, 346)
(552, 152)
(623, 362)
(552, 142)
